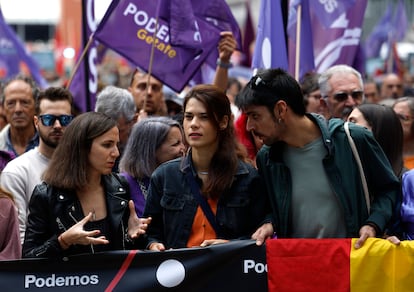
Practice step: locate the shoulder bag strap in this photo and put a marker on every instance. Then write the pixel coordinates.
(195, 190)
(358, 160)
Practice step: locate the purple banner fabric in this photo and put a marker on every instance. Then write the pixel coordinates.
(339, 43)
(306, 56)
(330, 11)
(13, 54)
(184, 29)
(399, 23)
(219, 14)
(379, 34)
(84, 85)
(391, 28)
(173, 65)
(270, 50)
(248, 37)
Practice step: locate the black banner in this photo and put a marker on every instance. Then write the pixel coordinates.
(235, 266)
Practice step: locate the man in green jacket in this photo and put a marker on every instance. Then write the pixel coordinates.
(311, 175)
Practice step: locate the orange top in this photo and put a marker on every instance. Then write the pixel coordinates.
(409, 162)
(202, 229)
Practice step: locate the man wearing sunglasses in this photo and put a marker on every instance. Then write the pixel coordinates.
(309, 170)
(342, 89)
(53, 113)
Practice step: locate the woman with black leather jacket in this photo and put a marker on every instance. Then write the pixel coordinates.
(81, 207)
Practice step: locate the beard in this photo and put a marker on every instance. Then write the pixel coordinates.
(52, 143)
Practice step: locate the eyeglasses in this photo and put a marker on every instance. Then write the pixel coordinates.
(404, 118)
(315, 96)
(342, 96)
(49, 120)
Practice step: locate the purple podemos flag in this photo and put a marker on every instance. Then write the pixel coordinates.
(128, 28)
(270, 49)
(379, 34)
(336, 32)
(84, 85)
(306, 57)
(13, 54)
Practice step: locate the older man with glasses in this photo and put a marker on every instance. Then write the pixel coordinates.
(342, 89)
(53, 112)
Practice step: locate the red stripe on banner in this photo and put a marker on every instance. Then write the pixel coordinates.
(122, 270)
(308, 264)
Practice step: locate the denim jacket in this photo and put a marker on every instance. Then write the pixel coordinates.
(172, 206)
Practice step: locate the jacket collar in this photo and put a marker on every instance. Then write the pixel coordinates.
(187, 165)
(116, 197)
(276, 150)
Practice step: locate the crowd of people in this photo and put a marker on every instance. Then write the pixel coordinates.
(228, 160)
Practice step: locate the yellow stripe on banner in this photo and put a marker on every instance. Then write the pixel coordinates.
(380, 265)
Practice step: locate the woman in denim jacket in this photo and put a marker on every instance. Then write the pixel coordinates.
(211, 195)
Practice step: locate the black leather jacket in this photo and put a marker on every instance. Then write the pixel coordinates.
(53, 210)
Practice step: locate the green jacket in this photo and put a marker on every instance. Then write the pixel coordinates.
(343, 175)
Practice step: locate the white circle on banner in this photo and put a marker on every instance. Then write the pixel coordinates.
(170, 273)
(266, 53)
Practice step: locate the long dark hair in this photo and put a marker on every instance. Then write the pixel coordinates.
(224, 163)
(68, 166)
(387, 130)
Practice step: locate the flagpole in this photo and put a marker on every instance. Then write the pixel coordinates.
(151, 60)
(80, 60)
(298, 35)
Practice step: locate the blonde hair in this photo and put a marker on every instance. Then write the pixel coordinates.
(6, 194)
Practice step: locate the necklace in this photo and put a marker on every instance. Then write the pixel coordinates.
(203, 172)
(143, 188)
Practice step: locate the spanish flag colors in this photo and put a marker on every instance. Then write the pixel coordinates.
(335, 265)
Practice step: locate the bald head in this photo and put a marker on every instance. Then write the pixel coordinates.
(392, 87)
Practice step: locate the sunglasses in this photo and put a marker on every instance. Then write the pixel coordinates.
(49, 120)
(342, 96)
(256, 82)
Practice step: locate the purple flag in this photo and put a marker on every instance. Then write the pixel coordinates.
(217, 13)
(339, 43)
(379, 34)
(398, 28)
(173, 65)
(328, 12)
(270, 49)
(399, 23)
(248, 37)
(184, 29)
(13, 53)
(84, 85)
(306, 58)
